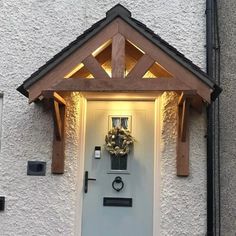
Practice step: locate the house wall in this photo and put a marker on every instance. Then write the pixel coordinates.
(31, 33)
(183, 200)
(227, 193)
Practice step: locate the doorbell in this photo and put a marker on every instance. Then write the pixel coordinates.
(97, 152)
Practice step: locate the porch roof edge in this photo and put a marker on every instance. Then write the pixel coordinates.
(120, 11)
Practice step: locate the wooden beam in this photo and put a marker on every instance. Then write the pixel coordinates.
(57, 73)
(136, 55)
(57, 121)
(58, 155)
(121, 28)
(102, 57)
(95, 68)
(55, 96)
(120, 85)
(171, 65)
(184, 102)
(182, 159)
(195, 100)
(186, 94)
(59, 99)
(141, 67)
(132, 51)
(185, 119)
(118, 56)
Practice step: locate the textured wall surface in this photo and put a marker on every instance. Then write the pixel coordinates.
(183, 200)
(32, 31)
(227, 22)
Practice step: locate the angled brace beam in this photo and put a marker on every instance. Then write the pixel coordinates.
(182, 160)
(141, 67)
(95, 68)
(58, 105)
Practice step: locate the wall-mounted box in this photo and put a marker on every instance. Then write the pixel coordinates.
(2, 203)
(36, 168)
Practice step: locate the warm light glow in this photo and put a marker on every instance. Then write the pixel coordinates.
(101, 48)
(107, 67)
(106, 96)
(149, 75)
(90, 76)
(136, 47)
(77, 68)
(157, 71)
(167, 72)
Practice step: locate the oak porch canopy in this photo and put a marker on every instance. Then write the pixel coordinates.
(120, 54)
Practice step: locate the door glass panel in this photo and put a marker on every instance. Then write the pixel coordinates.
(120, 122)
(119, 162)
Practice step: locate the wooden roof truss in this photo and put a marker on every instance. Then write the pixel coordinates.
(120, 59)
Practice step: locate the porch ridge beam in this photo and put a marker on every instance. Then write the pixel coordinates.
(118, 56)
(95, 68)
(141, 67)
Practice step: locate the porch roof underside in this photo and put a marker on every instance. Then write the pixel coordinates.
(111, 15)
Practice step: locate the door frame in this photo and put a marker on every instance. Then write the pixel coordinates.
(85, 98)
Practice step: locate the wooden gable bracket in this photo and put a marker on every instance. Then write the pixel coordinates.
(182, 160)
(58, 105)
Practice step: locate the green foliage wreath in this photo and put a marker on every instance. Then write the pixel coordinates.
(118, 141)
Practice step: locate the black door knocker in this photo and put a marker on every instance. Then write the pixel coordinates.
(118, 184)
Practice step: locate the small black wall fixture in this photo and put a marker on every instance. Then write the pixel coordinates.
(36, 168)
(2, 203)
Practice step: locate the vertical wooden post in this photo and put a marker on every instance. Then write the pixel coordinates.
(58, 106)
(182, 160)
(58, 153)
(118, 56)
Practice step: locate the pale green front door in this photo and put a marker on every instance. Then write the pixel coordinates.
(106, 211)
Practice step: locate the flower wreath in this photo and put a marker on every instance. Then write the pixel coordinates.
(118, 141)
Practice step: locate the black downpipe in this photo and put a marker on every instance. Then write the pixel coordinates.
(210, 173)
(210, 123)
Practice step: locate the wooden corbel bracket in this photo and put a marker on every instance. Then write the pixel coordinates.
(183, 133)
(58, 105)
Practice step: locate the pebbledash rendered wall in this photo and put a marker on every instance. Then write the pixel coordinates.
(32, 31)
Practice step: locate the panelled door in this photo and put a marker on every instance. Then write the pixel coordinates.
(118, 193)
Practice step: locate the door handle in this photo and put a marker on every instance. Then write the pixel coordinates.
(86, 179)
